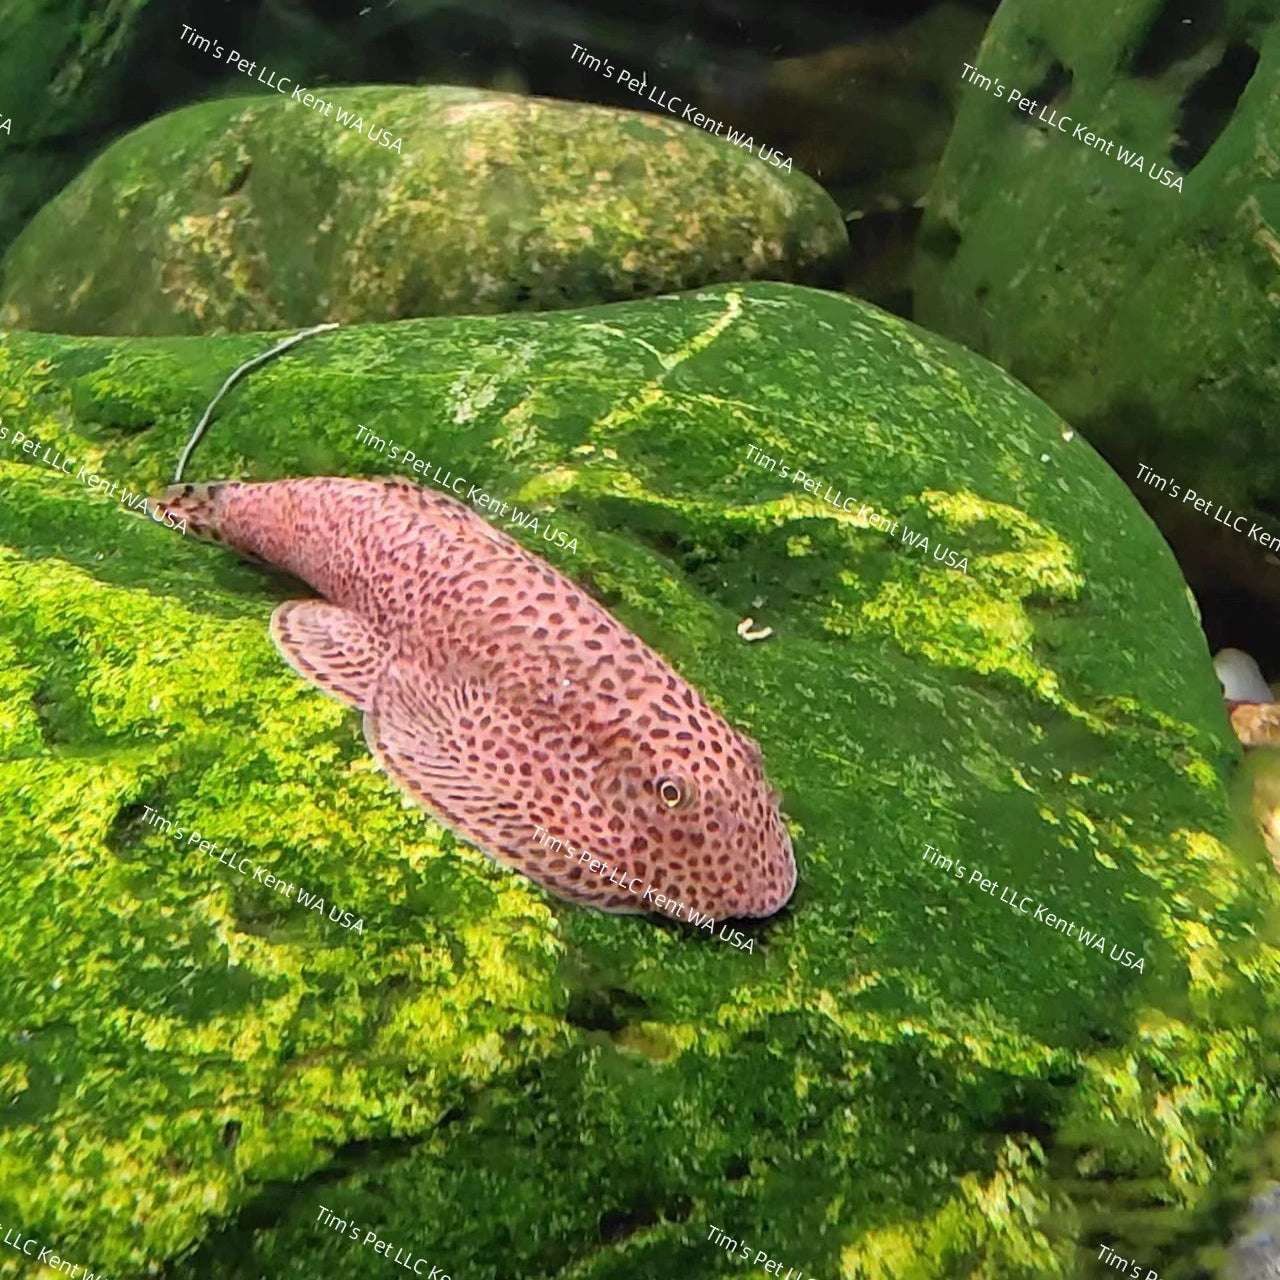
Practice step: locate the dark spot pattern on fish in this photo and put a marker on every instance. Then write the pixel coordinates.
(504, 700)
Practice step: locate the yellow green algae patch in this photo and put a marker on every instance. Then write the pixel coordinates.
(903, 1077)
(385, 202)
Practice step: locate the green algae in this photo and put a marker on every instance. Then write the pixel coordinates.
(62, 72)
(902, 1079)
(262, 212)
(1144, 314)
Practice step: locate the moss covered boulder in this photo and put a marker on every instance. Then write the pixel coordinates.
(1143, 312)
(381, 203)
(62, 72)
(911, 1072)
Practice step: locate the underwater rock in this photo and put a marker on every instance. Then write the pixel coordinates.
(384, 203)
(1144, 314)
(903, 1076)
(61, 70)
(1255, 1251)
(82, 79)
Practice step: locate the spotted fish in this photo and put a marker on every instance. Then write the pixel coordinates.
(505, 700)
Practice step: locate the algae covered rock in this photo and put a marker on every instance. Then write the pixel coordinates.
(911, 1071)
(1144, 313)
(61, 71)
(382, 203)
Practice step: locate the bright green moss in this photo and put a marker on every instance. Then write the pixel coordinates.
(902, 1078)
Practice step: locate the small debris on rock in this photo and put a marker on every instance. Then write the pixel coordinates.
(745, 631)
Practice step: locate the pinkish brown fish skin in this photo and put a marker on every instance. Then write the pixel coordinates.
(505, 700)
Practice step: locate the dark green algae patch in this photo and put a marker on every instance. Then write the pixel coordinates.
(902, 1078)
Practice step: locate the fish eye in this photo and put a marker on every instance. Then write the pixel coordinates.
(672, 792)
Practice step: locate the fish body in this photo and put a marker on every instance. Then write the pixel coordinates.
(505, 700)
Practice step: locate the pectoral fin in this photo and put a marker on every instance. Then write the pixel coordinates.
(481, 765)
(331, 647)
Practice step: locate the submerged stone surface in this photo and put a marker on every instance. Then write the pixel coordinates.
(63, 73)
(388, 202)
(1144, 314)
(902, 1077)
(82, 77)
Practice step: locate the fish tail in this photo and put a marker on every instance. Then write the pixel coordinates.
(198, 505)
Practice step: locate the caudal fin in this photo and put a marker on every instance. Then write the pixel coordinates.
(198, 505)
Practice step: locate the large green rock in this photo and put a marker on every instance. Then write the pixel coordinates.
(901, 1078)
(61, 72)
(383, 203)
(1145, 314)
(77, 76)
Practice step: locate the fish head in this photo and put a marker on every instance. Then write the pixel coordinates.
(699, 819)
